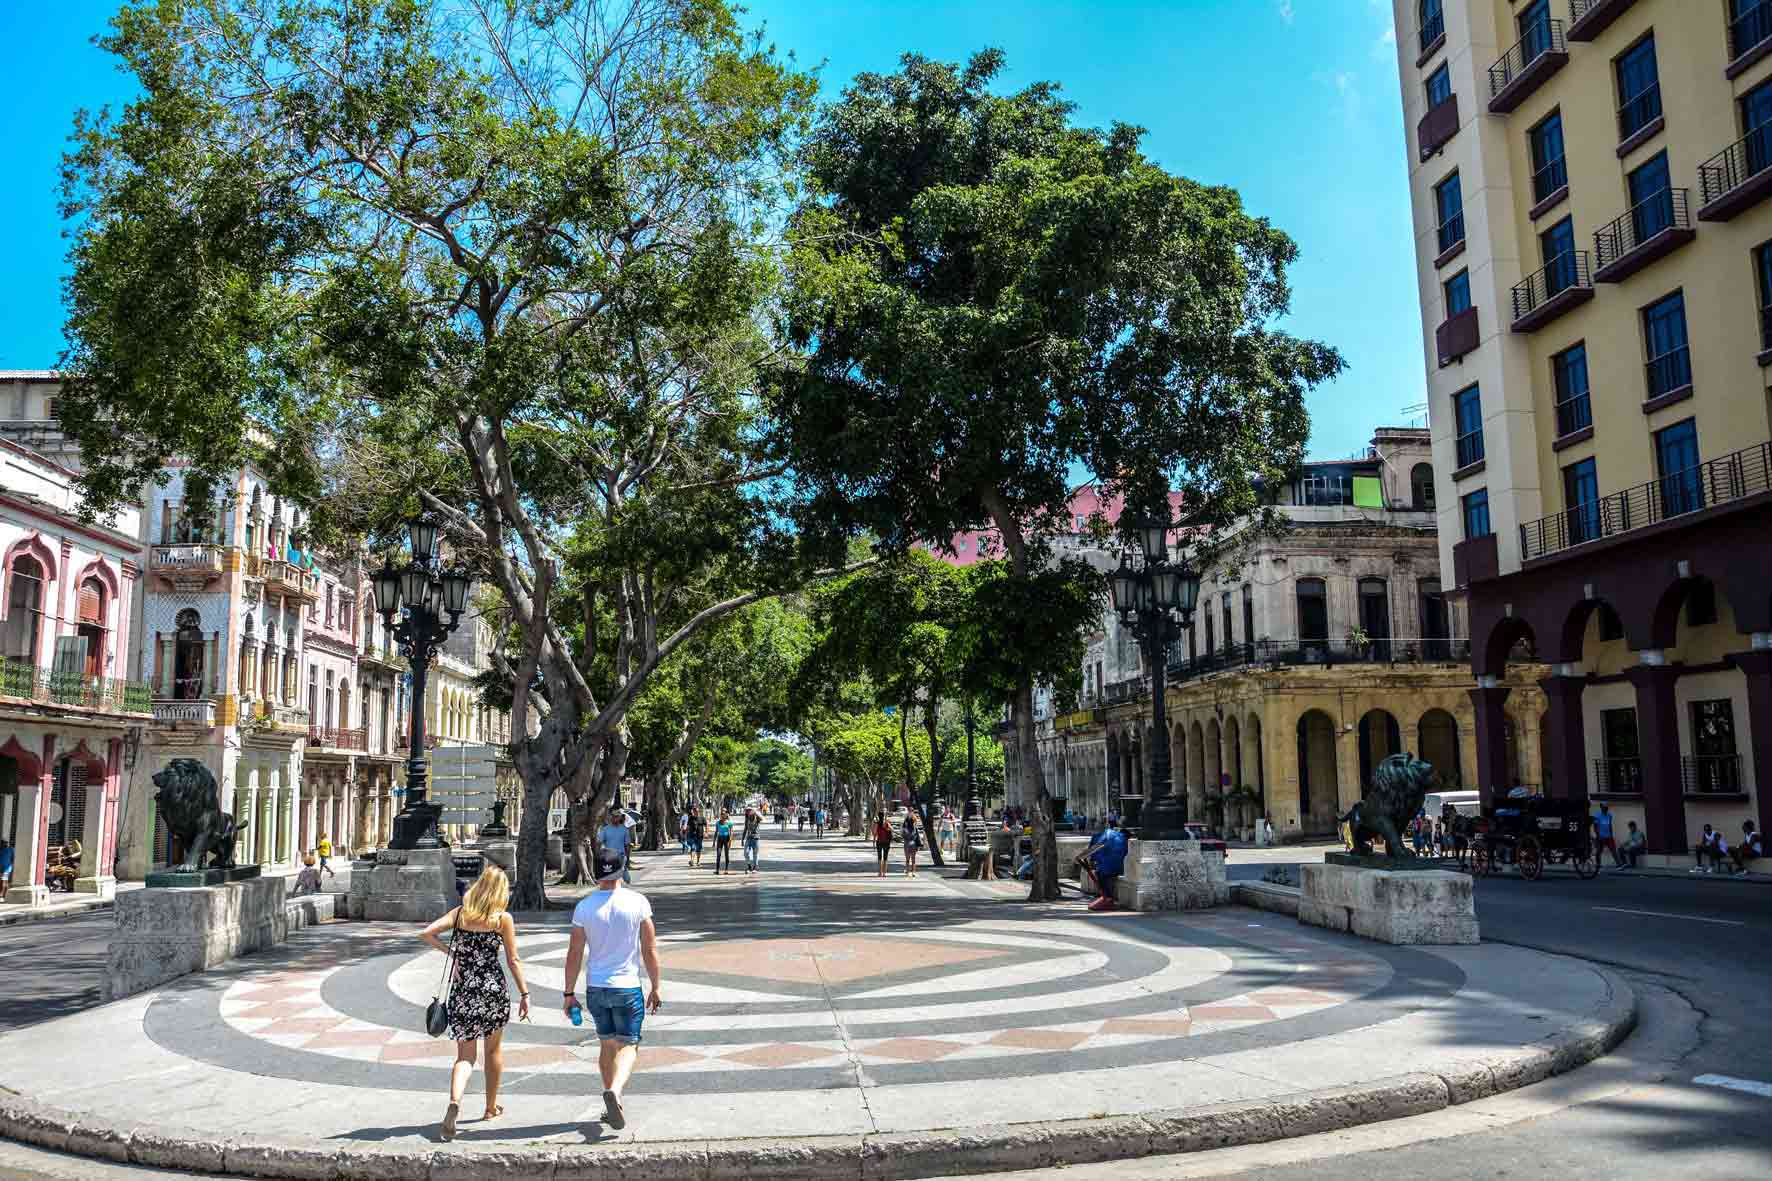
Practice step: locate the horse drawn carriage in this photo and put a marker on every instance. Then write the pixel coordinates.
(1529, 831)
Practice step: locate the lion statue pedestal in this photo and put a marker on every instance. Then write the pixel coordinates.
(1397, 899)
(202, 912)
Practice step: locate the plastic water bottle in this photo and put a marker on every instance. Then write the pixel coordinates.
(577, 1014)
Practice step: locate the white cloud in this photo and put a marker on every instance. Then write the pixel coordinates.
(1286, 11)
(1385, 47)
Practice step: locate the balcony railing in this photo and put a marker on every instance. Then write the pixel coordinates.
(1737, 177)
(1574, 414)
(1548, 180)
(1469, 448)
(1320, 652)
(24, 681)
(383, 654)
(1748, 33)
(1438, 126)
(1710, 774)
(1538, 54)
(287, 578)
(1432, 29)
(1589, 18)
(1669, 372)
(1546, 294)
(338, 737)
(171, 712)
(1653, 227)
(1619, 776)
(1637, 112)
(1451, 232)
(1744, 473)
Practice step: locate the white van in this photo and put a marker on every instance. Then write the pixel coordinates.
(1465, 803)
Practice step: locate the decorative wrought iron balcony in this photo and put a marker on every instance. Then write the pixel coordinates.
(1546, 294)
(22, 681)
(1710, 774)
(1320, 653)
(1718, 482)
(1654, 227)
(338, 738)
(1736, 178)
(1619, 776)
(1538, 54)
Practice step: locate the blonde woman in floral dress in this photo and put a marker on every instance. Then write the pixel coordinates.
(479, 1005)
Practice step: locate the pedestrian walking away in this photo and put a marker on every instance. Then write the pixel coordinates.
(614, 836)
(882, 841)
(324, 850)
(723, 843)
(913, 840)
(753, 829)
(478, 1004)
(612, 934)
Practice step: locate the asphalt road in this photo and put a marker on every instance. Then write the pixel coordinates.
(51, 968)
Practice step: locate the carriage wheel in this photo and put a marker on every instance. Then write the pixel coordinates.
(1531, 858)
(1482, 860)
(1586, 860)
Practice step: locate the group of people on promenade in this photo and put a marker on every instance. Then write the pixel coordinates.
(692, 834)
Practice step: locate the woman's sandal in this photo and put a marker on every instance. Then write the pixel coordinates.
(450, 1115)
(493, 1112)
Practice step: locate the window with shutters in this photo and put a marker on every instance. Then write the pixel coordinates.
(90, 628)
(24, 608)
(189, 657)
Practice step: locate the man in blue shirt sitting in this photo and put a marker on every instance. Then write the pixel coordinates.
(1103, 861)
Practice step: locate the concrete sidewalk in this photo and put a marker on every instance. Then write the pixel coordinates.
(819, 1022)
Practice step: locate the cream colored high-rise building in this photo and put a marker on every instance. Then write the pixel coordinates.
(1589, 181)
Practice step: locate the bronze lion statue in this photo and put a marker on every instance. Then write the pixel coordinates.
(1399, 784)
(191, 806)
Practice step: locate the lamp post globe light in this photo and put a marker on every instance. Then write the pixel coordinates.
(1156, 601)
(412, 600)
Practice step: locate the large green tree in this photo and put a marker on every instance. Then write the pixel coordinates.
(499, 260)
(990, 295)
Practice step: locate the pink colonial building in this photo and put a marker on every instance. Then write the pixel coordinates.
(71, 708)
(1085, 502)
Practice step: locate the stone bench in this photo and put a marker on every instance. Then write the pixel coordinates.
(305, 910)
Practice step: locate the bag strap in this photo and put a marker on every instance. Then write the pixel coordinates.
(449, 963)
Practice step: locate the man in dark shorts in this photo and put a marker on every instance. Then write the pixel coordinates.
(612, 934)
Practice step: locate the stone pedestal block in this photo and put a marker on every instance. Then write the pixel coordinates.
(163, 934)
(1391, 906)
(556, 852)
(101, 886)
(1172, 875)
(501, 853)
(1069, 847)
(411, 885)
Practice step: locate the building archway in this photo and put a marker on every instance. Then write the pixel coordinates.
(1213, 752)
(1233, 751)
(1380, 737)
(1436, 741)
(1253, 758)
(1319, 783)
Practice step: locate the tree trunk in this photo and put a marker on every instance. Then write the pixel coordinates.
(653, 802)
(529, 890)
(852, 800)
(929, 795)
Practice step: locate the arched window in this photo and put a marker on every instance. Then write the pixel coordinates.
(94, 611)
(24, 606)
(188, 656)
(1313, 611)
(1421, 486)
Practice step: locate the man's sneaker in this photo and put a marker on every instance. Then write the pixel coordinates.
(612, 1113)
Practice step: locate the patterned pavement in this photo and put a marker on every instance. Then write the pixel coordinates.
(813, 997)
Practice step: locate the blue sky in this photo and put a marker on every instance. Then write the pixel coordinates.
(1293, 102)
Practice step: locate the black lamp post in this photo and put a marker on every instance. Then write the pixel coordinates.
(418, 595)
(1156, 601)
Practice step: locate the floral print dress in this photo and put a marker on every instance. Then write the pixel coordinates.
(478, 1004)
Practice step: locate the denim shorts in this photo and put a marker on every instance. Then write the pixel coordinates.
(617, 1013)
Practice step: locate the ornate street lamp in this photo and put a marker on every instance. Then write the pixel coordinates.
(412, 601)
(1156, 601)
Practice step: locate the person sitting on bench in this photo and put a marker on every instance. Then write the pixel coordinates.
(1711, 847)
(1751, 847)
(1103, 861)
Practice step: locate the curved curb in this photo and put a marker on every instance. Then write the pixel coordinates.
(885, 1156)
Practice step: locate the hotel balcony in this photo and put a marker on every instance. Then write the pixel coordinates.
(1547, 294)
(1437, 127)
(1457, 336)
(188, 566)
(1589, 18)
(1736, 178)
(290, 581)
(338, 738)
(1654, 228)
(1526, 66)
(1736, 480)
(23, 682)
(198, 714)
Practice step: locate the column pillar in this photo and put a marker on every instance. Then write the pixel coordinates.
(96, 876)
(1567, 757)
(1658, 745)
(1490, 733)
(28, 887)
(1756, 668)
(254, 822)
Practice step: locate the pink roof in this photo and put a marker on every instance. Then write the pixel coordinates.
(1085, 502)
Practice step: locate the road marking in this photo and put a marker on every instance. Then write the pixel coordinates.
(1752, 1087)
(1662, 914)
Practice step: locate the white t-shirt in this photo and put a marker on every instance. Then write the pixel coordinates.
(611, 920)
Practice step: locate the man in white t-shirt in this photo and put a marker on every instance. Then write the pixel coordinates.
(613, 927)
